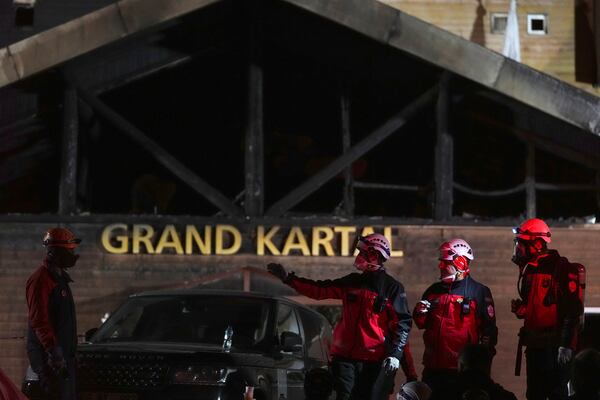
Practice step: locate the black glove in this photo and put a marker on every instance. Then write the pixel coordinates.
(277, 270)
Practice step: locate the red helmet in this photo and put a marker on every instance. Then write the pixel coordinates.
(532, 229)
(377, 241)
(60, 237)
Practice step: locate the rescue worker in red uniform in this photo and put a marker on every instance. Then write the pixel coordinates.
(454, 312)
(52, 331)
(370, 337)
(550, 306)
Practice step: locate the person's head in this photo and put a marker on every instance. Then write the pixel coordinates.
(455, 257)
(475, 394)
(586, 372)
(373, 251)
(318, 384)
(475, 357)
(60, 246)
(531, 241)
(414, 391)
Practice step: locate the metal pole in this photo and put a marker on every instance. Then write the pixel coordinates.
(67, 198)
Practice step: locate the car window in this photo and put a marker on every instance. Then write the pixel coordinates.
(313, 331)
(188, 319)
(286, 320)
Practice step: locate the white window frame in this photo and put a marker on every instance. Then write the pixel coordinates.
(493, 17)
(530, 18)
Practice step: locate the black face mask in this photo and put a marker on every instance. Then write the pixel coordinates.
(62, 258)
(522, 253)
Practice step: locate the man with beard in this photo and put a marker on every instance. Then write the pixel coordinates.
(369, 339)
(52, 331)
(549, 288)
(454, 312)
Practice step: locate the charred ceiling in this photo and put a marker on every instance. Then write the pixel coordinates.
(288, 109)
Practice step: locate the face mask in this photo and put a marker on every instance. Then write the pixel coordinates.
(62, 258)
(366, 261)
(521, 253)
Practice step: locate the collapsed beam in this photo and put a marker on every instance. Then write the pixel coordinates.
(354, 153)
(162, 156)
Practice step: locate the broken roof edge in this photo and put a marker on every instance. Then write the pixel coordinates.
(454, 53)
(22, 59)
(371, 18)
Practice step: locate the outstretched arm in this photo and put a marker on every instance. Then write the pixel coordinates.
(319, 290)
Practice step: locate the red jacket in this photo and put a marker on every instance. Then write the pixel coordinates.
(551, 304)
(462, 312)
(51, 315)
(375, 318)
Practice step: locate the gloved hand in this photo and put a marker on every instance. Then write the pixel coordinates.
(56, 361)
(565, 355)
(391, 365)
(518, 308)
(422, 307)
(277, 270)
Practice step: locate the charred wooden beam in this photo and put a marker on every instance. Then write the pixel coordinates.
(348, 195)
(254, 149)
(67, 192)
(387, 186)
(541, 143)
(161, 155)
(548, 133)
(355, 152)
(444, 156)
(530, 181)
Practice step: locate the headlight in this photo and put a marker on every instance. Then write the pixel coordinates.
(197, 375)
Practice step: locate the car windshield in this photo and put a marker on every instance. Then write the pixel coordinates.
(188, 319)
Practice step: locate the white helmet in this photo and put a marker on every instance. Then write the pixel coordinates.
(377, 241)
(455, 247)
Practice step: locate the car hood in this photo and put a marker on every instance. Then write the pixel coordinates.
(188, 351)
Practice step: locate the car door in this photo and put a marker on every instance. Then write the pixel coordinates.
(290, 367)
(314, 330)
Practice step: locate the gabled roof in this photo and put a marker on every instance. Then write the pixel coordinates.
(378, 21)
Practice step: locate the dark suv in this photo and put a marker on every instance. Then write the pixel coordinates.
(198, 344)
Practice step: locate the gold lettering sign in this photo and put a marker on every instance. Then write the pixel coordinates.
(330, 241)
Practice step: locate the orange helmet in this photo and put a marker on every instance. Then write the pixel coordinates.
(532, 229)
(60, 237)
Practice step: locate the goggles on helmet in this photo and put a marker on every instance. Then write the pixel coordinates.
(519, 231)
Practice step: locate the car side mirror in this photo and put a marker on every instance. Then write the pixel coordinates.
(291, 342)
(89, 333)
